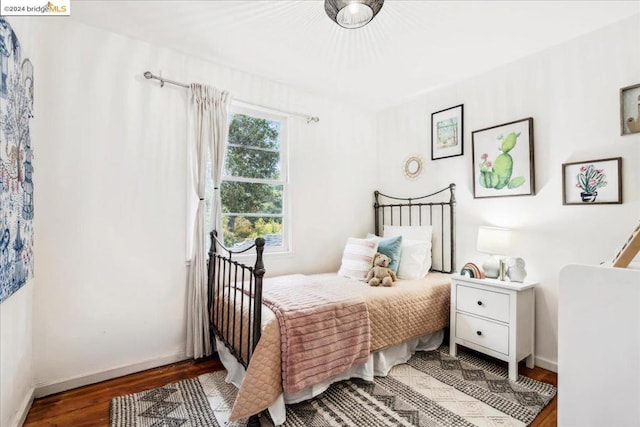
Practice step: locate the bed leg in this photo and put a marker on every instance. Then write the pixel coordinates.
(253, 421)
(259, 420)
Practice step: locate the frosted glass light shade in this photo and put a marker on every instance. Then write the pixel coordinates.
(352, 13)
(493, 240)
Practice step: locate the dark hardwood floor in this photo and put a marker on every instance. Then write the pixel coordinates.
(549, 415)
(89, 406)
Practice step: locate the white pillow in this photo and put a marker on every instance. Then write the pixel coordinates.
(416, 248)
(411, 232)
(415, 259)
(357, 258)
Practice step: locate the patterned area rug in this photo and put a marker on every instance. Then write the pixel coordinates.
(432, 389)
(179, 404)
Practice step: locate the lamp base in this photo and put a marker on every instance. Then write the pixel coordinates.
(491, 267)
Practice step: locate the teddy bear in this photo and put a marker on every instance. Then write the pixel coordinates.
(379, 273)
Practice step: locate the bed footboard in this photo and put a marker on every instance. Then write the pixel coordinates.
(235, 298)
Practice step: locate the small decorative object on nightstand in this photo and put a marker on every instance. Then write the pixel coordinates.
(493, 241)
(471, 270)
(515, 269)
(495, 318)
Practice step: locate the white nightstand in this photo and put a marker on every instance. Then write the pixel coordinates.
(493, 317)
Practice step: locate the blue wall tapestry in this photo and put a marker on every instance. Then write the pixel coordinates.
(16, 168)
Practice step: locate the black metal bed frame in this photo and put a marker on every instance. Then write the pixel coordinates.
(223, 271)
(225, 274)
(409, 208)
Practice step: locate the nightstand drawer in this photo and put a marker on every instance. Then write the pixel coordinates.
(483, 332)
(485, 303)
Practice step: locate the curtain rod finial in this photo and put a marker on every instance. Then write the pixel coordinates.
(148, 75)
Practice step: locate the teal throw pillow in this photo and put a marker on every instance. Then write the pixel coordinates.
(391, 247)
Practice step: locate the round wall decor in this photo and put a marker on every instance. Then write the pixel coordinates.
(413, 166)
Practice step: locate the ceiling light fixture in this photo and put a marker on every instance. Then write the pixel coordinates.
(352, 13)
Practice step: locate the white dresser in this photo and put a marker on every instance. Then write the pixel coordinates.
(495, 318)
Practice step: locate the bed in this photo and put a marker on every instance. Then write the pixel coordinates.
(286, 339)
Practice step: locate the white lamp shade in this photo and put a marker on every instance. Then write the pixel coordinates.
(493, 240)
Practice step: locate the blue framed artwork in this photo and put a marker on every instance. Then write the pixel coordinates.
(16, 165)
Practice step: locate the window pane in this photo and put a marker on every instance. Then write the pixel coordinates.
(254, 132)
(252, 209)
(239, 230)
(252, 198)
(252, 163)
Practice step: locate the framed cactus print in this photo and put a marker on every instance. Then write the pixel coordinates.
(592, 182)
(502, 159)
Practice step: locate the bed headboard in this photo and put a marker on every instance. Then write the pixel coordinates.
(435, 209)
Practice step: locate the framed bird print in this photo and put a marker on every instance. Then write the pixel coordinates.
(630, 110)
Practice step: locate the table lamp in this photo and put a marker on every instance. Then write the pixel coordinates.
(495, 242)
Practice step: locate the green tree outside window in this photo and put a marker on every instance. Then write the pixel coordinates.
(252, 190)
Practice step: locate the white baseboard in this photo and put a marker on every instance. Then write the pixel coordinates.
(75, 382)
(547, 364)
(23, 411)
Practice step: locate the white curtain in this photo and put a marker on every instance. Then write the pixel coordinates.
(208, 112)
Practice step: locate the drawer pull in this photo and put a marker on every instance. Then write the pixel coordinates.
(479, 302)
(479, 333)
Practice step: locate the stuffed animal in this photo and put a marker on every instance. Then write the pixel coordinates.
(379, 273)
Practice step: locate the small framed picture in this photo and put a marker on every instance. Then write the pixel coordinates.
(447, 133)
(592, 182)
(503, 160)
(630, 110)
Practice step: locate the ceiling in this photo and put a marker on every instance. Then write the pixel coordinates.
(409, 48)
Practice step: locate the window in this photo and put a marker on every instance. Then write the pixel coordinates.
(254, 181)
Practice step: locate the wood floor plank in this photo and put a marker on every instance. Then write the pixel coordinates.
(88, 406)
(548, 416)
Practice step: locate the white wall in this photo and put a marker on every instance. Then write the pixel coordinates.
(572, 92)
(111, 193)
(16, 326)
(16, 367)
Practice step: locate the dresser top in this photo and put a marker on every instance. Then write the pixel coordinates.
(504, 284)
